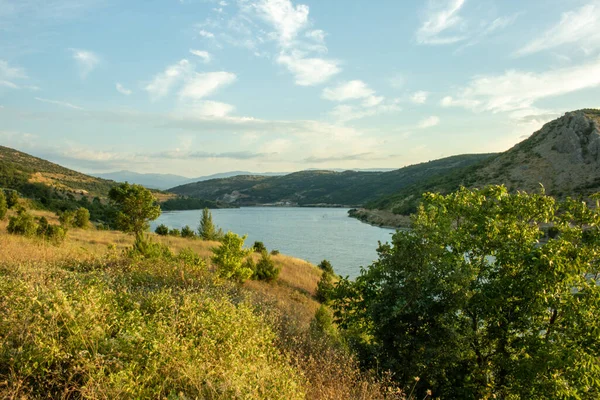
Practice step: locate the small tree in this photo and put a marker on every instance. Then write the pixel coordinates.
(136, 208)
(325, 288)
(174, 232)
(67, 218)
(206, 228)
(3, 205)
(259, 247)
(162, 230)
(326, 266)
(229, 258)
(22, 224)
(82, 218)
(266, 270)
(187, 232)
(12, 198)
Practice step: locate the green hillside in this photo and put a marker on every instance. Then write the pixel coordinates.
(306, 188)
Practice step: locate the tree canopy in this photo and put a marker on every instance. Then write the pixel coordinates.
(478, 302)
(136, 207)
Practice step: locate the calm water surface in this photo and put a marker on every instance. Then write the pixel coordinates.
(312, 234)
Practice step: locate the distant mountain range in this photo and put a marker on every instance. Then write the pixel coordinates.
(167, 181)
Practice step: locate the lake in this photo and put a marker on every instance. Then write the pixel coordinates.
(312, 234)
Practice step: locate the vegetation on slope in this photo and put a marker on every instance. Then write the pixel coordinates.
(321, 187)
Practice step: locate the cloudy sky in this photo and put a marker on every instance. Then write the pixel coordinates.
(194, 87)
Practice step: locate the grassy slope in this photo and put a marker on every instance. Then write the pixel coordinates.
(323, 187)
(82, 320)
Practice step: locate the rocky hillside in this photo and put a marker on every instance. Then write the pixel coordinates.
(563, 156)
(322, 187)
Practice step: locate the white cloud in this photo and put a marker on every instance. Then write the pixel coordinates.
(429, 122)
(309, 71)
(440, 17)
(350, 90)
(162, 83)
(419, 97)
(208, 108)
(86, 61)
(344, 113)
(204, 55)
(515, 90)
(121, 89)
(287, 19)
(59, 103)
(276, 146)
(579, 27)
(206, 34)
(8, 74)
(372, 101)
(200, 85)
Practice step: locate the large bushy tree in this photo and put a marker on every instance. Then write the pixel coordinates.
(136, 208)
(479, 303)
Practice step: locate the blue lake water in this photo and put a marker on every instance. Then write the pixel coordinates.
(312, 234)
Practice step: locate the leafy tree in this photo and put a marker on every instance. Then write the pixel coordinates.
(475, 305)
(229, 258)
(82, 218)
(22, 224)
(326, 266)
(12, 198)
(3, 205)
(266, 270)
(136, 208)
(187, 232)
(162, 230)
(206, 229)
(67, 218)
(52, 233)
(174, 232)
(325, 287)
(259, 247)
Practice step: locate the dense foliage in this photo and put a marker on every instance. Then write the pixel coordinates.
(207, 229)
(3, 205)
(265, 269)
(478, 304)
(136, 207)
(187, 203)
(229, 258)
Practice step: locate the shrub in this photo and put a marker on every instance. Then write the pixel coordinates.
(3, 205)
(143, 247)
(229, 258)
(190, 258)
(274, 252)
(67, 218)
(326, 266)
(325, 288)
(12, 198)
(82, 218)
(322, 324)
(187, 232)
(53, 233)
(174, 232)
(266, 270)
(22, 224)
(259, 247)
(162, 230)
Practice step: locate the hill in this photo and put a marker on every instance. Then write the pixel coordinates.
(320, 187)
(563, 156)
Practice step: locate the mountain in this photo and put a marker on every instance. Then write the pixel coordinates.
(323, 187)
(152, 181)
(22, 171)
(563, 156)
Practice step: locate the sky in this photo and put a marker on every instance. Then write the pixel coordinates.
(196, 87)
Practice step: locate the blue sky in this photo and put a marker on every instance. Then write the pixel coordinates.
(195, 87)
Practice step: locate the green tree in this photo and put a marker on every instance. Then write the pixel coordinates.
(206, 228)
(67, 218)
(472, 302)
(162, 230)
(3, 205)
(22, 224)
(326, 266)
(229, 258)
(12, 198)
(187, 232)
(266, 270)
(325, 287)
(259, 247)
(136, 208)
(82, 218)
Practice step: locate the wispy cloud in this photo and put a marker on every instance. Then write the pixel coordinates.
(206, 34)
(122, 89)
(204, 55)
(86, 61)
(207, 108)
(163, 82)
(200, 85)
(9, 74)
(345, 157)
(580, 27)
(308, 71)
(59, 103)
(234, 155)
(419, 97)
(349, 90)
(442, 23)
(429, 122)
(516, 90)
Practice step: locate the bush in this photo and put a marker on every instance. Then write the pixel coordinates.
(259, 247)
(325, 288)
(187, 232)
(190, 258)
(22, 224)
(229, 258)
(3, 205)
(266, 269)
(162, 230)
(326, 266)
(322, 324)
(174, 232)
(53, 233)
(82, 218)
(67, 219)
(145, 248)
(12, 198)
(274, 252)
